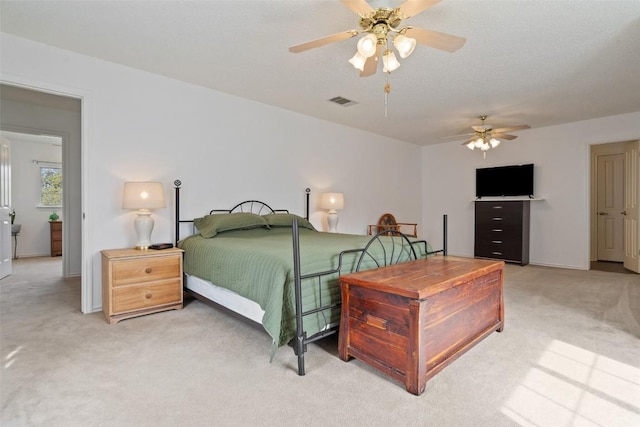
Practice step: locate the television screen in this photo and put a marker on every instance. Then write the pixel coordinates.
(516, 180)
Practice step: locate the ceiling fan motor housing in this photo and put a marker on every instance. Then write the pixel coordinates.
(380, 22)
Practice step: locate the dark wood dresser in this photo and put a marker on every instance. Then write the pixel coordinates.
(55, 229)
(411, 320)
(502, 230)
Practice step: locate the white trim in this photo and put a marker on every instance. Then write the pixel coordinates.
(86, 114)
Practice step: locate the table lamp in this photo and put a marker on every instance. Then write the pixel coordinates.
(332, 201)
(143, 196)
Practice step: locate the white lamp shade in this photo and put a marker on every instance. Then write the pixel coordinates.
(494, 142)
(143, 195)
(389, 61)
(358, 61)
(332, 201)
(367, 45)
(404, 44)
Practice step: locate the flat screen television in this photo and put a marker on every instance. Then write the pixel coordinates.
(514, 180)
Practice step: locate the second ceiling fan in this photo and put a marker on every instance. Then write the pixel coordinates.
(378, 25)
(485, 137)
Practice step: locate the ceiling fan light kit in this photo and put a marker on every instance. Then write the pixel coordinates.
(485, 137)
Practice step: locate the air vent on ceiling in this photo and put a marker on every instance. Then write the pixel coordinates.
(342, 101)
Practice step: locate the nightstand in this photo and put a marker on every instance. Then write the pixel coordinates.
(138, 282)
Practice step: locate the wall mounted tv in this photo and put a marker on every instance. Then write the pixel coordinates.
(515, 180)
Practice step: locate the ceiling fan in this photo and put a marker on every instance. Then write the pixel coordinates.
(378, 25)
(486, 137)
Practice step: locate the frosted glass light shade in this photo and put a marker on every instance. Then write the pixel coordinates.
(389, 61)
(358, 61)
(404, 44)
(367, 45)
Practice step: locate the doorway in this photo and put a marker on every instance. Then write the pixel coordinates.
(40, 113)
(36, 183)
(612, 208)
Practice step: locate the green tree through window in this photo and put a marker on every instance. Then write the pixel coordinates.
(51, 192)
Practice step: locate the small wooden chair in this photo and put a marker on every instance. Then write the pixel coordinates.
(388, 222)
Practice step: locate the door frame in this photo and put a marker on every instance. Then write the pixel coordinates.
(86, 108)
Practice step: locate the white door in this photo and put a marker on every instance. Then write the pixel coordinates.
(631, 210)
(610, 205)
(5, 208)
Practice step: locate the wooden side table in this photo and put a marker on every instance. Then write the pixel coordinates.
(138, 282)
(55, 228)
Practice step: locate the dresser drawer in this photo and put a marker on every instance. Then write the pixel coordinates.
(150, 269)
(130, 298)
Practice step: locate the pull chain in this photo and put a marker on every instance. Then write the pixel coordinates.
(387, 91)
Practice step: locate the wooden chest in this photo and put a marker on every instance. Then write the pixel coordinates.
(410, 320)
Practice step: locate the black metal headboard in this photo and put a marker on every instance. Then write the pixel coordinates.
(253, 206)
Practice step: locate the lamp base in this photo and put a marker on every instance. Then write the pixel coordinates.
(332, 220)
(143, 225)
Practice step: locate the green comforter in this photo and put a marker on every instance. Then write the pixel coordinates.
(258, 264)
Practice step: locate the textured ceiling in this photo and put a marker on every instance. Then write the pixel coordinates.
(539, 62)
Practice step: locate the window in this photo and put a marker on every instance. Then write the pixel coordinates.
(51, 186)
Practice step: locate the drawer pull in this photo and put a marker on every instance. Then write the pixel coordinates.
(148, 295)
(497, 207)
(496, 241)
(148, 270)
(376, 322)
(496, 253)
(497, 218)
(497, 229)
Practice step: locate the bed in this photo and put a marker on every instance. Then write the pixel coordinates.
(274, 268)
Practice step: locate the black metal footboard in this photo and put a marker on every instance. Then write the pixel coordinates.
(299, 343)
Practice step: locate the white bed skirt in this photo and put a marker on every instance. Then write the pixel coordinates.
(226, 298)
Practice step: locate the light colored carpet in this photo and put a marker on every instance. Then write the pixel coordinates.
(569, 356)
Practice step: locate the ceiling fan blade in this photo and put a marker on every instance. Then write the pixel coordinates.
(361, 7)
(323, 41)
(459, 136)
(412, 7)
(371, 65)
(512, 128)
(502, 136)
(436, 39)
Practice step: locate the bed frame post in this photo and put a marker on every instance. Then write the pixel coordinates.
(298, 345)
(444, 234)
(307, 193)
(177, 183)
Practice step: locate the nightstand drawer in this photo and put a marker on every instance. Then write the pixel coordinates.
(130, 298)
(146, 270)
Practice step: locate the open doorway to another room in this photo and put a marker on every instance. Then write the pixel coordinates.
(608, 207)
(36, 195)
(45, 130)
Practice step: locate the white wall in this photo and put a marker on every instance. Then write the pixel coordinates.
(560, 222)
(224, 149)
(34, 238)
